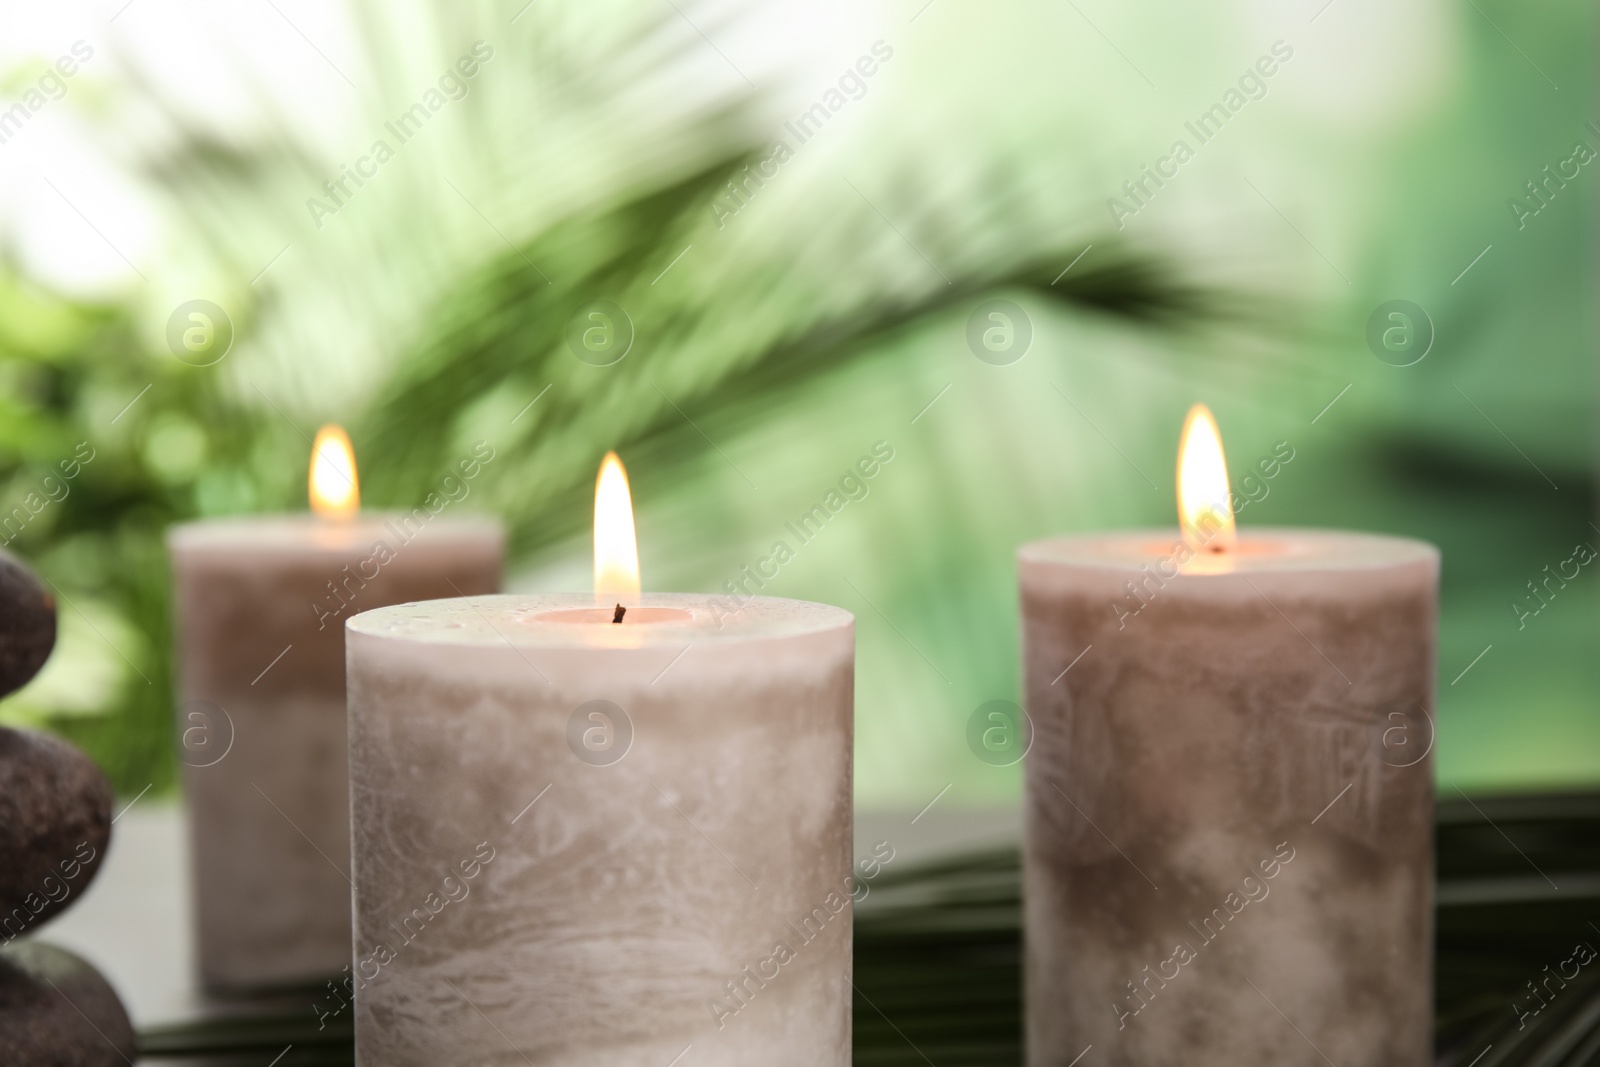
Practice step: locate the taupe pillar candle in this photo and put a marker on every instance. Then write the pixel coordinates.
(579, 842)
(1230, 800)
(259, 606)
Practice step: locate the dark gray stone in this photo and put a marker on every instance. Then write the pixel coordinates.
(57, 1011)
(27, 624)
(55, 821)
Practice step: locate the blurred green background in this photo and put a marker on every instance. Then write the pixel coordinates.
(783, 330)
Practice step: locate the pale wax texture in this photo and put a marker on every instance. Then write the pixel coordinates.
(263, 738)
(539, 884)
(1229, 845)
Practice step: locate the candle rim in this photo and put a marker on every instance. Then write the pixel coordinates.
(301, 533)
(485, 622)
(1328, 549)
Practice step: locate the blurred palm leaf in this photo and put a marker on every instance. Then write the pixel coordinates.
(430, 310)
(744, 322)
(500, 342)
(432, 307)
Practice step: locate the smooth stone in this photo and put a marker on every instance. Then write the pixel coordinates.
(27, 624)
(55, 821)
(57, 1011)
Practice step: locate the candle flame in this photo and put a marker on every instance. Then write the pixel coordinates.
(1204, 508)
(334, 490)
(616, 550)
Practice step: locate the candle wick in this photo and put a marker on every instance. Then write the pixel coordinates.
(621, 611)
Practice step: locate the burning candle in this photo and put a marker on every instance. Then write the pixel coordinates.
(602, 829)
(259, 606)
(1229, 851)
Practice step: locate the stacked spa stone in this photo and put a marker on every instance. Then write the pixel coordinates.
(55, 821)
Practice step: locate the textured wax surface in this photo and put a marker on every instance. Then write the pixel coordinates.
(264, 738)
(620, 899)
(1215, 727)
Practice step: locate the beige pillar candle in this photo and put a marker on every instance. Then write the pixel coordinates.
(612, 841)
(586, 842)
(1229, 849)
(259, 606)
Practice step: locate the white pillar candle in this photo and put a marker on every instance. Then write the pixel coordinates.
(259, 605)
(579, 842)
(1229, 851)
